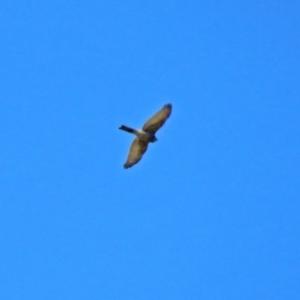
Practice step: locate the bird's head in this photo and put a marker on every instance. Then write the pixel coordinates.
(153, 139)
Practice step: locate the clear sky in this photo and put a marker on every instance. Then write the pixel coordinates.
(211, 211)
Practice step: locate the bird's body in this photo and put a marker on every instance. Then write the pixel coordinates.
(145, 135)
(141, 134)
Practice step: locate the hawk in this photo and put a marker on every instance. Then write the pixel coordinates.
(145, 135)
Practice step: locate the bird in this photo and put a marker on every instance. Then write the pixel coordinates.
(145, 135)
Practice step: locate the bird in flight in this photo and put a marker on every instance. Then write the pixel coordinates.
(145, 135)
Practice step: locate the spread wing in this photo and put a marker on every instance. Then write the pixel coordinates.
(137, 149)
(156, 121)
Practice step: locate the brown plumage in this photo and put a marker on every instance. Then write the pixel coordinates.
(145, 135)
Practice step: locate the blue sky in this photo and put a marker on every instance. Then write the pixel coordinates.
(211, 211)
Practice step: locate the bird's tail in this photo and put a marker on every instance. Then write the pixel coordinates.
(128, 129)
